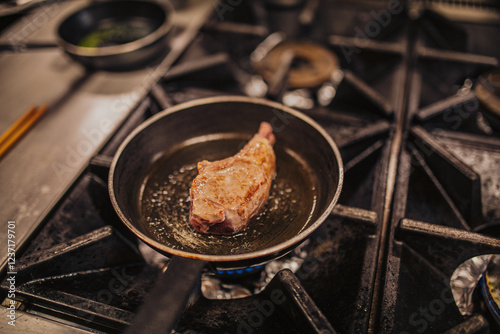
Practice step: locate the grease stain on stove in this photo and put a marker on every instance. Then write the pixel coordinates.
(483, 162)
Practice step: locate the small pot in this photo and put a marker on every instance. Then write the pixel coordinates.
(117, 35)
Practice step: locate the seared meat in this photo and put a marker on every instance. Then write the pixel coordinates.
(227, 193)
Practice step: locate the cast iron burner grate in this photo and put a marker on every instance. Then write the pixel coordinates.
(418, 188)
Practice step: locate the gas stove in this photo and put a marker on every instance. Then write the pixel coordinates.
(404, 88)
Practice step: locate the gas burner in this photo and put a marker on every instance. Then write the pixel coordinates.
(232, 284)
(311, 66)
(488, 93)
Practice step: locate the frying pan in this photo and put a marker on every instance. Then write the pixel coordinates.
(116, 35)
(152, 171)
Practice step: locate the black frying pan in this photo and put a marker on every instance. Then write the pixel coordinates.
(153, 169)
(116, 34)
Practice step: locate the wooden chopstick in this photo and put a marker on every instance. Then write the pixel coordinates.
(20, 127)
(14, 127)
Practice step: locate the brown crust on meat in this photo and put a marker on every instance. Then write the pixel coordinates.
(214, 210)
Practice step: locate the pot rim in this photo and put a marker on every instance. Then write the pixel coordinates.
(129, 47)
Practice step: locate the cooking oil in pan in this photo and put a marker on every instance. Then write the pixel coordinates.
(165, 201)
(117, 33)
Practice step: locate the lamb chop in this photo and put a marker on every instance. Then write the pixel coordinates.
(227, 193)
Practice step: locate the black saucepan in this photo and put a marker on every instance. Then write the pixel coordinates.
(153, 169)
(116, 34)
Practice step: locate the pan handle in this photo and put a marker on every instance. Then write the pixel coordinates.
(164, 304)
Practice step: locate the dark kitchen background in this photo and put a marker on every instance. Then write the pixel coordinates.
(409, 91)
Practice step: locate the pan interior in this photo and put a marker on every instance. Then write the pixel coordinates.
(164, 200)
(117, 32)
(112, 23)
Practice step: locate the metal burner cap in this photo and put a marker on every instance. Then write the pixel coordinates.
(488, 92)
(313, 64)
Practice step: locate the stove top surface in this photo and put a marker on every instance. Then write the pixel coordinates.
(420, 195)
